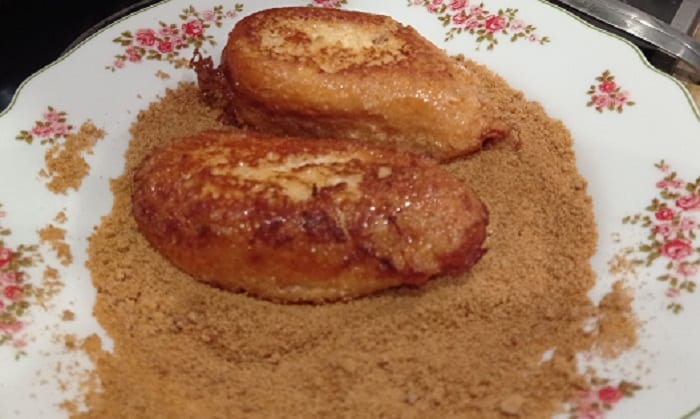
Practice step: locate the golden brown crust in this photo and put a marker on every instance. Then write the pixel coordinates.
(330, 73)
(292, 219)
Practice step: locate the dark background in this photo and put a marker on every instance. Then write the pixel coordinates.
(33, 33)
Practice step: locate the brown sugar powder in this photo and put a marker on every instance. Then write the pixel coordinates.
(56, 238)
(65, 164)
(468, 345)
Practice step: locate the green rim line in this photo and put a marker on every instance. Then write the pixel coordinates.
(641, 56)
(636, 49)
(691, 413)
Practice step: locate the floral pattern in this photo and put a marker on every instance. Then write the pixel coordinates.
(17, 294)
(600, 397)
(168, 41)
(52, 126)
(606, 94)
(672, 220)
(462, 16)
(334, 4)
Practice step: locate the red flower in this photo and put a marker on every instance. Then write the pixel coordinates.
(607, 86)
(458, 4)
(610, 394)
(43, 130)
(146, 37)
(5, 256)
(689, 202)
(133, 55)
(13, 292)
(676, 249)
(165, 46)
(495, 23)
(193, 28)
(664, 214)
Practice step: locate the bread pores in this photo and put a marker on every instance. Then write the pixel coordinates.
(300, 220)
(328, 73)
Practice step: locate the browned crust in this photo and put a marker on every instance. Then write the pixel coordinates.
(288, 72)
(292, 219)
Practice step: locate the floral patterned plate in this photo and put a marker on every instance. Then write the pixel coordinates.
(637, 139)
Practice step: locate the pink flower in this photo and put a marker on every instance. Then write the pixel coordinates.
(476, 11)
(208, 15)
(676, 249)
(9, 277)
(133, 55)
(2, 306)
(586, 397)
(177, 41)
(664, 230)
(686, 269)
(119, 63)
(437, 2)
(51, 116)
(664, 184)
(193, 28)
(495, 23)
(517, 26)
(146, 37)
(13, 292)
(432, 8)
(610, 394)
(533, 38)
(607, 86)
(673, 293)
(165, 46)
(166, 31)
(19, 343)
(689, 202)
(458, 4)
(5, 256)
(688, 224)
(11, 327)
(230, 13)
(459, 18)
(472, 23)
(664, 214)
(620, 98)
(601, 101)
(59, 128)
(42, 131)
(590, 414)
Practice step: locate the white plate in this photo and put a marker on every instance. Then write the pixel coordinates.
(553, 57)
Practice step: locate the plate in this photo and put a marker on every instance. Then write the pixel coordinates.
(636, 136)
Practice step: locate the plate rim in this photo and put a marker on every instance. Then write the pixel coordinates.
(695, 110)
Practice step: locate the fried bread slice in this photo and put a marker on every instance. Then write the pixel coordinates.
(328, 73)
(293, 219)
